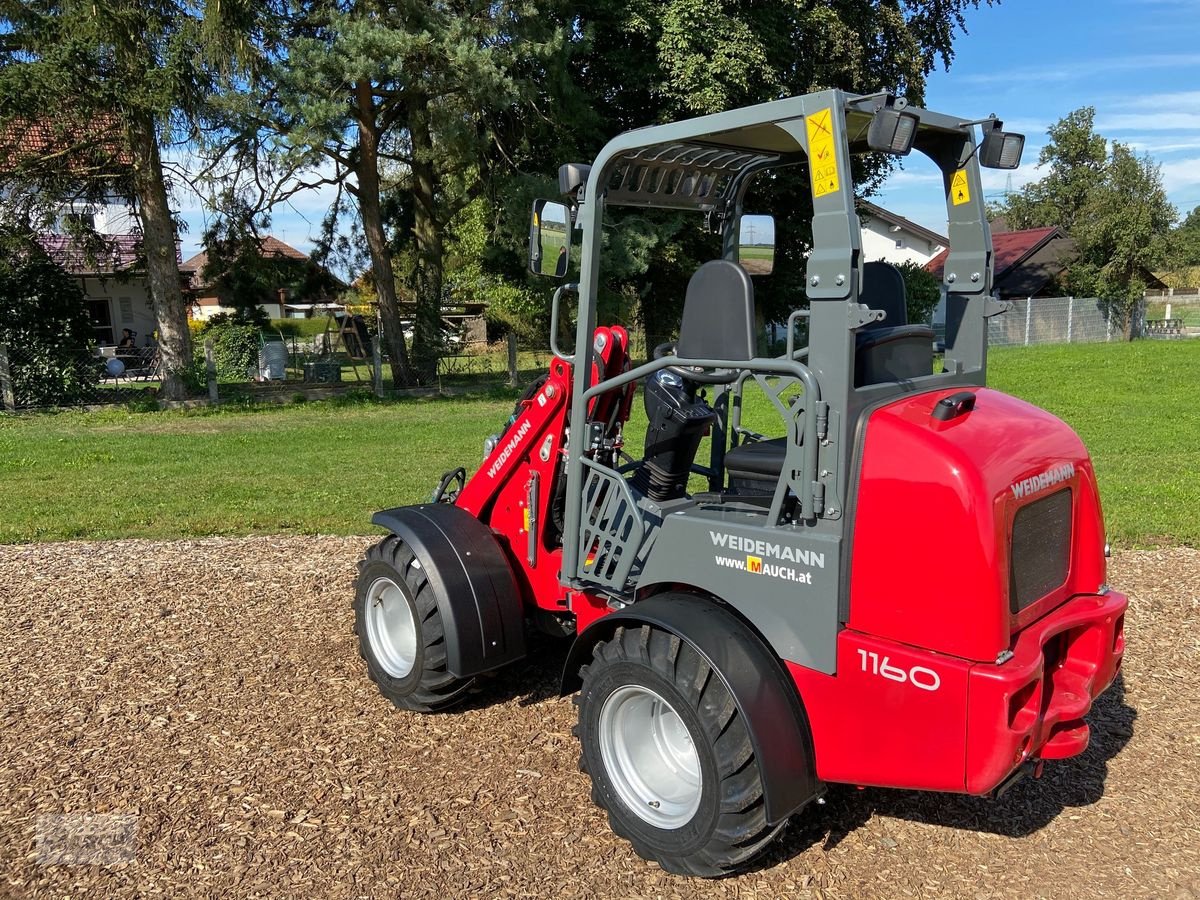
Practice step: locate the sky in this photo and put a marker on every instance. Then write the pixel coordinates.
(1033, 61)
(1028, 61)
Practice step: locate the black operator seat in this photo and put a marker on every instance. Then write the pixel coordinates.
(718, 314)
(718, 324)
(890, 350)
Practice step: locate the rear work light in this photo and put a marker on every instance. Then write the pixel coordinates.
(892, 130)
(1000, 149)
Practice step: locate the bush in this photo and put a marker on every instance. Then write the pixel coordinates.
(923, 290)
(44, 320)
(235, 350)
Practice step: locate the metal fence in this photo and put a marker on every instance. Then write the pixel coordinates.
(63, 378)
(1054, 320)
(1172, 315)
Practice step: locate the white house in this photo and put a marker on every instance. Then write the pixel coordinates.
(892, 238)
(113, 279)
(109, 267)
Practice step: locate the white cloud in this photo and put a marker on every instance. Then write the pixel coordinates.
(1149, 121)
(1180, 174)
(1076, 70)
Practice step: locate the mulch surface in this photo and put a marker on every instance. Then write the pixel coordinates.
(213, 689)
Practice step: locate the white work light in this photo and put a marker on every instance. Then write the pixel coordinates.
(1000, 149)
(892, 130)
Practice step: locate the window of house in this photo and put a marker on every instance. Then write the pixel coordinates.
(100, 312)
(83, 221)
(126, 310)
(899, 243)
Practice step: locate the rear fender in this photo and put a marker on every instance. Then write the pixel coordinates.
(766, 697)
(476, 593)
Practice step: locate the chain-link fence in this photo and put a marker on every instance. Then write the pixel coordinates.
(44, 378)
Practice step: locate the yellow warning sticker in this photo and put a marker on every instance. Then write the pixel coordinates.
(822, 154)
(960, 193)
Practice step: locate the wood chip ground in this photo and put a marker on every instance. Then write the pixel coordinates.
(213, 689)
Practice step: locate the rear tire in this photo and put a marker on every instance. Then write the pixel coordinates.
(669, 755)
(401, 635)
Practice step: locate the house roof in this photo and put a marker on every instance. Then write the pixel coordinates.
(269, 246)
(109, 253)
(1025, 261)
(95, 144)
(891, 218)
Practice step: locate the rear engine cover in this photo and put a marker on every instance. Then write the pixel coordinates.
(968, 529)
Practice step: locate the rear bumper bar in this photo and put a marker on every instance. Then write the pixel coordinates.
(1032, 706)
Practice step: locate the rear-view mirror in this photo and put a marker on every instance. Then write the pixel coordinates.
(756, 244)
(549, 238)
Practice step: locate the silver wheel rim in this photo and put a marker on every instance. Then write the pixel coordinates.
(649, 756)
(391, 628)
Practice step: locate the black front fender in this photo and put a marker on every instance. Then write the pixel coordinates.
(477, 596)
(765, 695)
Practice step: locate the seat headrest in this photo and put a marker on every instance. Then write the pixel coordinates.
(883, 288)
(718, 314)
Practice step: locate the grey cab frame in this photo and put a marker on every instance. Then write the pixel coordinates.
(706, 164)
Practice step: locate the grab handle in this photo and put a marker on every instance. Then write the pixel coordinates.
(554, 348)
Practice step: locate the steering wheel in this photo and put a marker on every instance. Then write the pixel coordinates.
(698, 374)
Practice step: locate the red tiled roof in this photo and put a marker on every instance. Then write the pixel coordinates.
(112, 253)
(269, 246)
(97, 144)
(1009, 249)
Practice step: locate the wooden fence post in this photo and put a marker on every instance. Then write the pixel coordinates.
(8, 397)
(377, 362)
(210, 367)
(512, 359)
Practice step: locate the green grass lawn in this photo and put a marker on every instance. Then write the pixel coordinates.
(324, 467)
(1137, 408)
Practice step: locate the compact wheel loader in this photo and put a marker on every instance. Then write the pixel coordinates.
(904, 587)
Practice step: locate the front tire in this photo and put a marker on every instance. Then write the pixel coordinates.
(401, 635)
(669, 755)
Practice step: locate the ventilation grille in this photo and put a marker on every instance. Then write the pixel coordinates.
(1041, 549)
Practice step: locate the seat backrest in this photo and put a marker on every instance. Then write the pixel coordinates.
(883, 288)
(718, 314)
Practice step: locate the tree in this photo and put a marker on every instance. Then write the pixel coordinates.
(642, 62)
(405, 102)
(44, 319)
(246, 273)
(1078, 158)
(1183, 252)
(129, 78)
(1110, 201)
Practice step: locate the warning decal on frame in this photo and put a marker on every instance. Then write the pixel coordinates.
(822, 154)
(960, 193)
